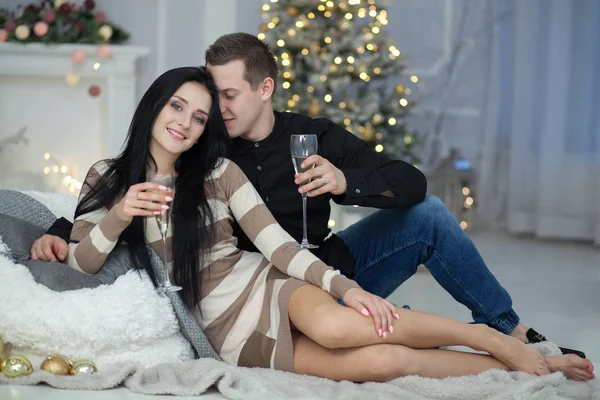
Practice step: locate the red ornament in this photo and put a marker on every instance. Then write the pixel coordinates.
(65, 9)
(32, 8)
(10, 26)
(100, 17)
(89, 4)
(94, 91)
(3, 35)
(49, 16)
(79, 26)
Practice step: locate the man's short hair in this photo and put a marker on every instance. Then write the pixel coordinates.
(256, 55)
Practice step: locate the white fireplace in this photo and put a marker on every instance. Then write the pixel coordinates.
(67, 129)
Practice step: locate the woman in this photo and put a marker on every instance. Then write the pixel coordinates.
(276, 310)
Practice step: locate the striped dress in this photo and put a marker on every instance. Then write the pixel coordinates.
(243, 295)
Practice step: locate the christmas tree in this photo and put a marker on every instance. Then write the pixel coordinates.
(337, 62)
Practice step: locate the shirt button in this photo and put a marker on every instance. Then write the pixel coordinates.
(357, 191)
(259, 168)
(256, 144)
(267, 199)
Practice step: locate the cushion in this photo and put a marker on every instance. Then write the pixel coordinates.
(20, 227)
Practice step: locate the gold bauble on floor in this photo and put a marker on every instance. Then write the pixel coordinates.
(56, 365)
(15, 366)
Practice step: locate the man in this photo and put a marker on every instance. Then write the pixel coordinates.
(381, 251)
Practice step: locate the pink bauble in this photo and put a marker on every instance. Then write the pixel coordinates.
(104, 51)
(3, 35)
(100, 17)
(49, 16)
(40, 28)
(78, 56)
(94, 90)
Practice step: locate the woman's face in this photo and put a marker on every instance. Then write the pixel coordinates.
(182, 120)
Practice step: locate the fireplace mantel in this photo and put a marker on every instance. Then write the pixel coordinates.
(118, 73)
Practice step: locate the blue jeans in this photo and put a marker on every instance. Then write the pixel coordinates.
(389, 245)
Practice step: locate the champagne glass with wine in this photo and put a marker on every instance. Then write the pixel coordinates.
(162, 221)
(302, 147)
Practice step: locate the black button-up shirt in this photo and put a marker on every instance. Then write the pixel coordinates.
(268, 165)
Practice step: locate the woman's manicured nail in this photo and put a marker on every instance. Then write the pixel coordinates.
(168, 198)
(162, 187)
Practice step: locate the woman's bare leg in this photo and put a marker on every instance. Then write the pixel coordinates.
(316, 314)
(383, 362)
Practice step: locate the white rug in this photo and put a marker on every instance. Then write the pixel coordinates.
(132, 334)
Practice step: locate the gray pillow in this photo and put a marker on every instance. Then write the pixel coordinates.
(19, 235)
(22, 206)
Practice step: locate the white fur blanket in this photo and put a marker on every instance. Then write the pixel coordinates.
(132, 335)
(123, 322)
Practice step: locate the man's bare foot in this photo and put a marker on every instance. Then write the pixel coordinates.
(517, 355)
(573, 366)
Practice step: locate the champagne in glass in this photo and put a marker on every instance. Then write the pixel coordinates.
(162, 221)
(302, 147)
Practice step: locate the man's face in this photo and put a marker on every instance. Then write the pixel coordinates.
(240, 105)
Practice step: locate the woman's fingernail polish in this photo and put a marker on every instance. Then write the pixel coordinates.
(164, 207)
(380, 333)
(391, 329)
(156, 212)
(168, 198)
(162, 187)
(384, 335)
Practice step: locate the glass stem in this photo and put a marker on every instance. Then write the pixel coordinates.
(164, 257)
(304, 227)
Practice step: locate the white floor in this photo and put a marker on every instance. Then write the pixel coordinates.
(555, 288)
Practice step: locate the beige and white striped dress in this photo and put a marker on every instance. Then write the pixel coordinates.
(244, 296)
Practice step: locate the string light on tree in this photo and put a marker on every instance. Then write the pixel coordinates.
(330, 52)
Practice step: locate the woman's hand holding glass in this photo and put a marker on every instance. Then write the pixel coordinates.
(142, 200)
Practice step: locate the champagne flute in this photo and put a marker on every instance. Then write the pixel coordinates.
(162, 221)
(302, 147)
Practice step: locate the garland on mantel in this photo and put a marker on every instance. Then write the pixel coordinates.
(59, 21)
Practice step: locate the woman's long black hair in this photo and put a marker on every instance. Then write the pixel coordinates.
(192, 218)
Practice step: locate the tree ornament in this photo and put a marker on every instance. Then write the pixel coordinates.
(49, 16)
(40, 28)
(83, 367)
(22, 32)
(3, 35)
(314, 109)
(100, 17)
(106, 32)
(292, 11)
(15, 366)
(56, 365)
